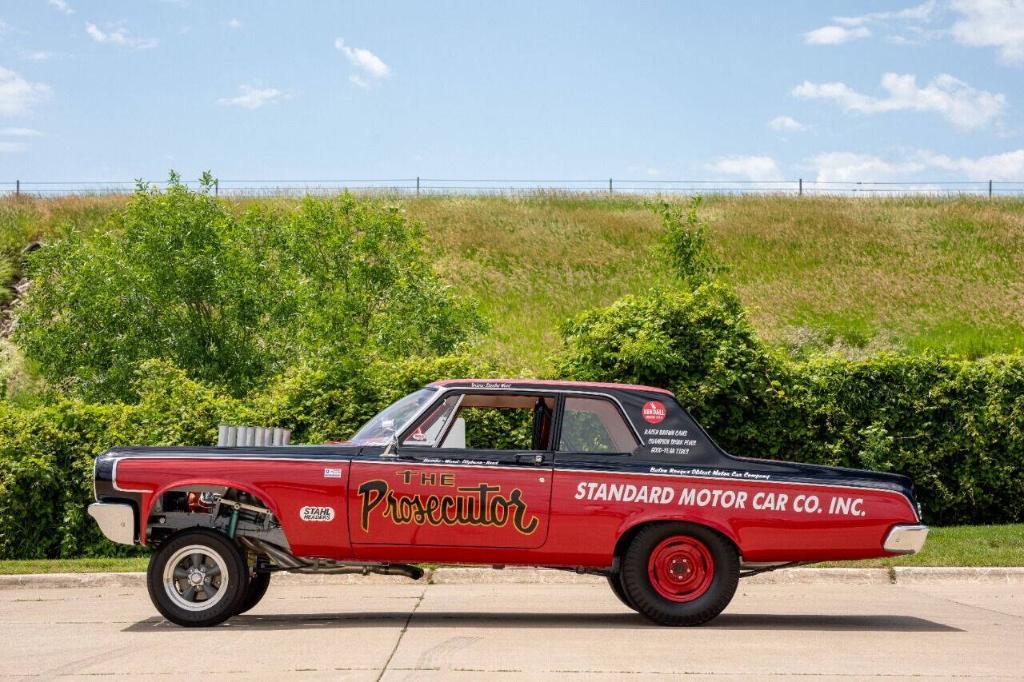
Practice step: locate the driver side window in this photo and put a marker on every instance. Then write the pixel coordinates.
(487, 422)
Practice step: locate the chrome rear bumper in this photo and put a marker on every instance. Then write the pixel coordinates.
(905, 539)
(116, 520)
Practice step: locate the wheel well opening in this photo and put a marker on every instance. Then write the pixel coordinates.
(217, 507)
(623, 542)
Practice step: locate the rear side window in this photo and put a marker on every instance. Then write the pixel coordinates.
(594, 425)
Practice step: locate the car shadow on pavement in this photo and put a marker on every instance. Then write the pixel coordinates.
(727, 621)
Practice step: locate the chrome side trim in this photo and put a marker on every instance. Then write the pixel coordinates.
(116, 520)
(905, 539)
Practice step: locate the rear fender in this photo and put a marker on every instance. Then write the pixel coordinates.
(633, 524)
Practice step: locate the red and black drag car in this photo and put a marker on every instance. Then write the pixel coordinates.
(607, 479)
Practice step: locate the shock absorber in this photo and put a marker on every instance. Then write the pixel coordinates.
(233, 523)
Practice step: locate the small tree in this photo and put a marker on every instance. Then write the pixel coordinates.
(233, 299)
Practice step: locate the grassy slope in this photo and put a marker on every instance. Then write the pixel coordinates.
(953, 546)
(854, 274)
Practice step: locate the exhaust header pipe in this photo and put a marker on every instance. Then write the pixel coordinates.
(285, 560)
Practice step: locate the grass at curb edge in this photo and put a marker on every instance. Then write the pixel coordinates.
(956, 546)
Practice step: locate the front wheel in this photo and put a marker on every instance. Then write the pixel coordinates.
(197, 578)
(680, 573)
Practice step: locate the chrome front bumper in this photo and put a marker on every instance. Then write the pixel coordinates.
(116, 520)
(905, 539)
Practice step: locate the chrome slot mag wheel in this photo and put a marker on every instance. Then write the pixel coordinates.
(194, 578)
(197, 578)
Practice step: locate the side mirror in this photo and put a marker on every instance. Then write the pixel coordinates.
(389, 449)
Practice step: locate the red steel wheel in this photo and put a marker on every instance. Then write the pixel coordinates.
(679, 573)
(681, 568)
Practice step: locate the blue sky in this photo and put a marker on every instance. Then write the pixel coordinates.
(532, 90)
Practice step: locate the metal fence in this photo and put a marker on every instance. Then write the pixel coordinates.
(443, 186)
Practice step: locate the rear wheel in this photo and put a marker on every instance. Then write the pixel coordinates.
(615, 582)
(258, 584)
(197, 578)
(680, 573)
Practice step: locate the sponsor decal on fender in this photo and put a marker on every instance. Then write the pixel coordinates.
(317, 513)
(473, 505)
(654, 412)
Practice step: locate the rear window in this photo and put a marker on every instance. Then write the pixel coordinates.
(595, 425)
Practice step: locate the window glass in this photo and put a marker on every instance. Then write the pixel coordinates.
(487, 422)
(393, 419)
(434, 424)
(594, 425)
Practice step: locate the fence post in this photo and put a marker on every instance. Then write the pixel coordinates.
(417, 185)
(216, 187)
(800, 190)
(610, 190)
(989, 189)
(17, 188)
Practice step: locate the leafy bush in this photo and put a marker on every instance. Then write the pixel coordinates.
(698, 343)
(233, 299)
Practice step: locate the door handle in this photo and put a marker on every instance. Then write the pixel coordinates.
(534, 459)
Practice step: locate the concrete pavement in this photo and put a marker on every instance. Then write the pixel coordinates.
(402, 630)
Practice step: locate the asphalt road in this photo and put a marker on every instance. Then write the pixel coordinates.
(516, 631)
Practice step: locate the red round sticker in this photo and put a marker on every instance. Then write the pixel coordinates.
(654, 412)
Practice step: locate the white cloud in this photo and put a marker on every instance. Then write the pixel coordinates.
(234, 23)
(844, 29)
(954, 100)
(19, 132)
(920, 12)
(867, 168)
(1006, 166)
(835, 35)
(992, 23)
(747, 167)
(370, 64)
(12, 147)
(118, 35)
(62, 6)
(17, 95)
(785, 124)
(252, 98)
(851, 167)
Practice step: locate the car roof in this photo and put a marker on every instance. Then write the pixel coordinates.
(546, 383)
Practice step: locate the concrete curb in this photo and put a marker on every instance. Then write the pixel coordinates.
(468, 575)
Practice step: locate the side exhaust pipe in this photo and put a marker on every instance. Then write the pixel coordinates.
(287, 561)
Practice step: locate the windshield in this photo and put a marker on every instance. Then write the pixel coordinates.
(380, 429)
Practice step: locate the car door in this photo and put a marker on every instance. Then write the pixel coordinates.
(474, 470)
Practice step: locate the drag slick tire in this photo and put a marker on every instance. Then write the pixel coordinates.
(680, 573)
(257, 587)
(615, 582)
(197, 578)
